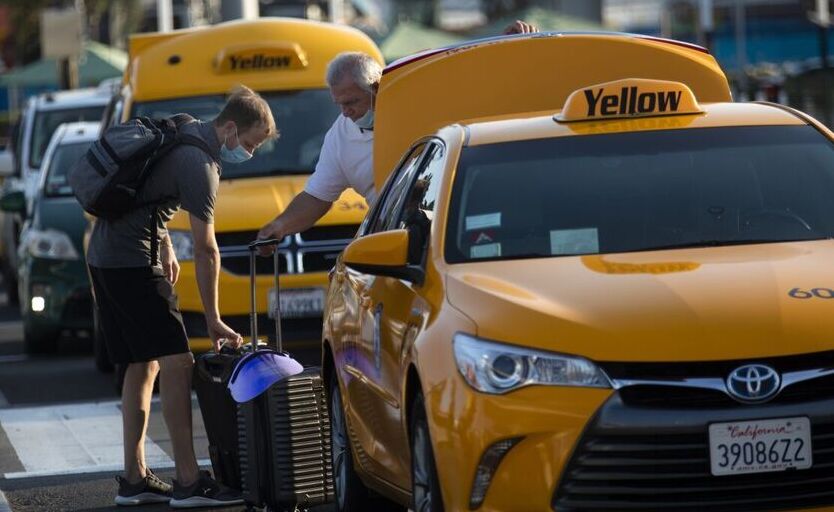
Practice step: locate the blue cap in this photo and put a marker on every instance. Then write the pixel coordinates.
(257, 371)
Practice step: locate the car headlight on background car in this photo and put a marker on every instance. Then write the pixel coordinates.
(183, 244)
(498, 368)
(49, 244)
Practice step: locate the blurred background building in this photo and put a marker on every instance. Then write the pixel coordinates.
(771, 49)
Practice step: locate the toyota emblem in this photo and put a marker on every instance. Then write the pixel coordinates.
(753, 383)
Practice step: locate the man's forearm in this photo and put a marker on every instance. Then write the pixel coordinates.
(207, 265)
(302, 213)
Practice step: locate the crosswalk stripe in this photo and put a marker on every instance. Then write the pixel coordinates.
(71, 438)
(4, 503)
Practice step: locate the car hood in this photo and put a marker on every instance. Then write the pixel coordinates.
(682, 305)
(249, 203)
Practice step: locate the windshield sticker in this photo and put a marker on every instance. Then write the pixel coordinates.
(487, 220)
(486, 251)
(574, 241)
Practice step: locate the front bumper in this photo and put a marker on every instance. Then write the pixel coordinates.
(634, 457)
(66, 291)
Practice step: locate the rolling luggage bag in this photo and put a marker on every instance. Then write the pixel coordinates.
(211, 376)
(284, 433)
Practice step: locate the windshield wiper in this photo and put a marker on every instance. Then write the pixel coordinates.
(724, 243)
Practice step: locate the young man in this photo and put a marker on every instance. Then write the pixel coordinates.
(133, 277)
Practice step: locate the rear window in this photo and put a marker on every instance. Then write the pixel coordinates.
(641, 191)
(303, 118)
(47, 122)
(65, 156)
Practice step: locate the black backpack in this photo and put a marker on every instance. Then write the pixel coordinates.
(108, 180)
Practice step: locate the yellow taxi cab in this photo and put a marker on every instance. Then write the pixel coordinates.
(591, 283)
(192, 71)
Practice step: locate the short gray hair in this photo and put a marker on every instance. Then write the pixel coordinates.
(360, 67)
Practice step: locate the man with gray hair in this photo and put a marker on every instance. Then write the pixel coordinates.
(346, 159)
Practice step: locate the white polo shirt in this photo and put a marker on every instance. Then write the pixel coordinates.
(346, 161)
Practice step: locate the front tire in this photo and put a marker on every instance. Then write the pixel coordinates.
(351, 493)
(425, 484)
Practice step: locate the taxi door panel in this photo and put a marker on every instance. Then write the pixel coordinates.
(369, 402)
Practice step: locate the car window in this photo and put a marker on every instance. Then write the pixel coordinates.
(303, 118)
(63, 159)
(418, 208)
(46, 122)
(641, 191)
(386, 215)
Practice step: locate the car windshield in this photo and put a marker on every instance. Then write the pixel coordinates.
(65, 156)
(303, 118)
(641, 191)
(46, 122)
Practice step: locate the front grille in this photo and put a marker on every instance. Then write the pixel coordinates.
(327, 234)
(318, 261)
(239, 264)
(314, 250)
(619, 469)
(237, 238)
(697, 398)
(677, 370)
(79, 307)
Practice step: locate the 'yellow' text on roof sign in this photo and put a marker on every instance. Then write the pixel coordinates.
(629, 98)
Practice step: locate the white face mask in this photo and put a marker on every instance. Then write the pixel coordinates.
(234, 156)
(366, 122)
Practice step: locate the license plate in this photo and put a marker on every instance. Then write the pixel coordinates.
(760, 446)
(298, 303)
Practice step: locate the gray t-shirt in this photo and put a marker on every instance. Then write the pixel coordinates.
(186, 177)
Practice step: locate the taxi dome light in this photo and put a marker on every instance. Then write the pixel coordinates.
(632, 97)
(496, 368)
(490, 460)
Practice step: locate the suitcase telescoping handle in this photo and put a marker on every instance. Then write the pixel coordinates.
(253, 312)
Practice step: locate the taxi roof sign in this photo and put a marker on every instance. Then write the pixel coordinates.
(275, 56)
(632, 97)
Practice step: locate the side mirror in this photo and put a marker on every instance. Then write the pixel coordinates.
(14, 202)
(383, 254)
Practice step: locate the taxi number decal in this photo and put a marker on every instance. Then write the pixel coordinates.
(820, 293)
(630, 102)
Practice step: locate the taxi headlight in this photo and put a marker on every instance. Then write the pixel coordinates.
(49, 244)
(183, 244)
(497, 368)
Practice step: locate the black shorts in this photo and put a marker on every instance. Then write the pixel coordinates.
(138, 314)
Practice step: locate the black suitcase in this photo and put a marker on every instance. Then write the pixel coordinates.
(284, 433)
(219, 411)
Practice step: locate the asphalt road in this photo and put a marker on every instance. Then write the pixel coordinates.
(60, 430)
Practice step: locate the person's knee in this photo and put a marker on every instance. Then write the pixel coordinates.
(177, 363)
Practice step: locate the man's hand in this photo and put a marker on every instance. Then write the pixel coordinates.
(170, 265)
(220, 333)
(273, 230)
(520, 27)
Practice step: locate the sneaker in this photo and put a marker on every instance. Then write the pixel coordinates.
(205, 492)
(148, 490)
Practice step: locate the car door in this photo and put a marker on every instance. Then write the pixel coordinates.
(392, 314)
(355, 353)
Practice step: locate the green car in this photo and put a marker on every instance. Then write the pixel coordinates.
(53, 284)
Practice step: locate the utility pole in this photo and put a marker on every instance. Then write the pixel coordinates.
(741, 45)
(164, 15)
(706, 23)
(822, 18)
(239, 9)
